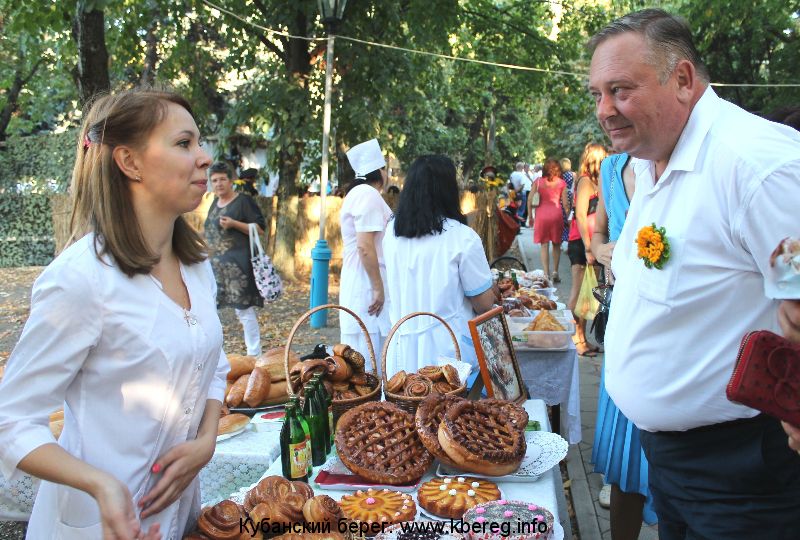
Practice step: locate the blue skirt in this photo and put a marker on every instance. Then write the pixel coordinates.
(617, 452)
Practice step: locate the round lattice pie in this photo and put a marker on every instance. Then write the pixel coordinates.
(482, 439)
(451, 497)
(378, 441)
(378, 506)
(427, 419)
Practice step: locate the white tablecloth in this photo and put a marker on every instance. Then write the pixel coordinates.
(553, 376)
(238, 461)
(546, 491)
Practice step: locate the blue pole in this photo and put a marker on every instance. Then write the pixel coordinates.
(321, 256)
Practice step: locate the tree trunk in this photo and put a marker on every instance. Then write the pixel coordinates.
(12, 96)
(151, 53)
(91, 73)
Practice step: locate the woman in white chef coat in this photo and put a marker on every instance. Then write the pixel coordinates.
(435, 263)
(363, 218)
(124, 334)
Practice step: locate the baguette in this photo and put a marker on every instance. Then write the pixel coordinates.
(273, 361)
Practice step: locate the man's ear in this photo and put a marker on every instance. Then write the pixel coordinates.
(126, 161)
(686, 81)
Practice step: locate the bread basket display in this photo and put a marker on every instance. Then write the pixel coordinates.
(370, 390)
(408, 390)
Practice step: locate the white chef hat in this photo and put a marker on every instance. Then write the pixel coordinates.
(366, 157)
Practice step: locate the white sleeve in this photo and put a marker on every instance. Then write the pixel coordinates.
(64, 325)
(368, 213)
(473, 268)
(769, 217)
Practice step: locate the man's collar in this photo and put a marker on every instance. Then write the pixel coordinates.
(684, 156)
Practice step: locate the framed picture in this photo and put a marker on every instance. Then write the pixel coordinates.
(499, 368)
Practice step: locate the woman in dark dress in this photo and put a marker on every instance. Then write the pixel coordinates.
(228, 239)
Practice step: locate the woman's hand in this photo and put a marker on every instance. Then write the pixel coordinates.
(117, 514)
(378, 298)
(178, 467)
(590, 258)
(789, 319)
(226, 222)
(603, 253)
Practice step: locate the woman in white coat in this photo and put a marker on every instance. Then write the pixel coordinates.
(363, 218)
(435, 263)
(124, 334)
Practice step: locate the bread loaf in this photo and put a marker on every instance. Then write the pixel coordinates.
(273, 361)
(232, 422)
(240, 365)
(258, 386)
(236, 393)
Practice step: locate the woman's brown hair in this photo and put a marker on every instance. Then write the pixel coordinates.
(593, 154)
(552, 168)
(101, 198)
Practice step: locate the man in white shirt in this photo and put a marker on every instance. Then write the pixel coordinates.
(725, 186)
(517, 177)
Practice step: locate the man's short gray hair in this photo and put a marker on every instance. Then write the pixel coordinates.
(520, 165)
(668, 37)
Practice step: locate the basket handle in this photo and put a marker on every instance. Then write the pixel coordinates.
(396, 327)
(303, 319)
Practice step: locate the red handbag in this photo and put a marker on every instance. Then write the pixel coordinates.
(767, 376)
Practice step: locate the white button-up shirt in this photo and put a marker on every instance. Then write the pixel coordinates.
(132, 370)
(434, 273)
(729, 194)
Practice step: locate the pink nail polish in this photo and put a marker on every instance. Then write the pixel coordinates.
(156, 468)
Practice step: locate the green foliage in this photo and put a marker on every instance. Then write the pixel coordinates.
(26, 230)
(37, 164)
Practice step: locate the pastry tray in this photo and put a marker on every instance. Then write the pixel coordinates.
(545, 450)
(334, 475)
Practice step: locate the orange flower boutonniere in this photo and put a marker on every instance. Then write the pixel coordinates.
(653, 246)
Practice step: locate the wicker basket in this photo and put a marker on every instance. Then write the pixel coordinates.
(410, 403)
(340, 406)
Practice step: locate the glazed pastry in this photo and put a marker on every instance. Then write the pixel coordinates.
(294, 374)
(427, 419)
(359, 378)
(321, 509)
(347, 394)
(378, 441)
(396, 384)
(418, 386)
(310, 367)
(545, 322)
(341, 386)
(232, 422)
(540, 520)
(340, 349)
(434, 373)
(257, 387)
(272, 511)
(374, 506)
(236, 394)
(482, 438)
(451, 497)
(221, 521)
(289, 497)
(450, 375)
(362, 390)
(240, 365)
(338, 369)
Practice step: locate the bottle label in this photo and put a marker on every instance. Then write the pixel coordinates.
(298, 457)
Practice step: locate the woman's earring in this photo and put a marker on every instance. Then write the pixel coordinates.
(138, 178)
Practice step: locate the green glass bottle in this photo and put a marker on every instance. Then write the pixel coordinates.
(294, 462)
(295, 400)
(319, 395)
(514, 280)
(314, 417)
(327, 403)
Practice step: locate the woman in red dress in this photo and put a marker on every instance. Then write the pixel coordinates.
(549, 221)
